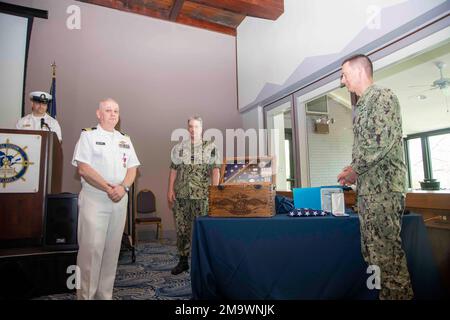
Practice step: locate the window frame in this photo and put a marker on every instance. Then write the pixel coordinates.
(426, 154)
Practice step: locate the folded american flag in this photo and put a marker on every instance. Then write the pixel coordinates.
(306, 212)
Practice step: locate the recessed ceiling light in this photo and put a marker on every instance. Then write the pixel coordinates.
(421, 97)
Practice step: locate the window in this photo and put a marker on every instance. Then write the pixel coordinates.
(279, 116)
(428, 156)
(440, 158)
(330, 150)
(415, 162)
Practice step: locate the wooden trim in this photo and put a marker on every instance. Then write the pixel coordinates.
(131, 7)
(287, 194)
(267, 9)
(434, 206)
(205, 25)
(162, 14)
(349, 198)
(434, 201)
(176, 8)
(211, 14)
(428, 200)
(438, 224)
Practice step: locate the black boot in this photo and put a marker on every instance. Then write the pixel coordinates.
(182, 265)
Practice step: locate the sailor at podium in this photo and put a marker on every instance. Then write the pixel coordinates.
(38, 119)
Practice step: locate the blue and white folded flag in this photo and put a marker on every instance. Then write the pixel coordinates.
(307, 212)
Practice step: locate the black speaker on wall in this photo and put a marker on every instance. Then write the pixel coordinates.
(61, 222)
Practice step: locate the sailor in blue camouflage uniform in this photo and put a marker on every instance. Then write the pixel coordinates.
(379, 170)
(195, 163)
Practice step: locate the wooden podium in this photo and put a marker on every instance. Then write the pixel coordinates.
(22, 214)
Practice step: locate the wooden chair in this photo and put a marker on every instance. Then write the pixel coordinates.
(145, 212)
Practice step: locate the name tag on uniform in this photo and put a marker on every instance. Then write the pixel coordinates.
(123, 144)
(26, 125)
(100, 143)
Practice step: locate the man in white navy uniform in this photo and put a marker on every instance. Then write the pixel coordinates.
(39, 119)
(107, 164)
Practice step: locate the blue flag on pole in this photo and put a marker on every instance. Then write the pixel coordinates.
(52, 105)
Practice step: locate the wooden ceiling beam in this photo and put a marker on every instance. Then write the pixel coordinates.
(205, 25)
(176, 8)
(124, 5)
(226, 22)
(214, 15)
(266, 9)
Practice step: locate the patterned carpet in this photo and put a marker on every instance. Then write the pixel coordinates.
(149, 278)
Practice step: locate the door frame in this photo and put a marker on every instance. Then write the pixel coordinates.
(273, 106)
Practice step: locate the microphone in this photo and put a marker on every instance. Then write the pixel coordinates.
(44, 124)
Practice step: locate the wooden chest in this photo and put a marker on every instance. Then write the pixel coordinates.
(246, 189)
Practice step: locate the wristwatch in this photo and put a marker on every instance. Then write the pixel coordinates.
(127, 188)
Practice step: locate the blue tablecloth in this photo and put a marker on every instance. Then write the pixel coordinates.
(297, 258)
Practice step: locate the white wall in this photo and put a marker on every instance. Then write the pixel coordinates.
(253, 119)
(330, 153)
(160, 73)
(310, 35)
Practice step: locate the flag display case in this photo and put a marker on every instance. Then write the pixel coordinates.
(246, 189)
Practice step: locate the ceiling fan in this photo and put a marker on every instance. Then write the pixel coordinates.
(441, 83)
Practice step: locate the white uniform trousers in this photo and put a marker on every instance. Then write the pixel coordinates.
(101, 224)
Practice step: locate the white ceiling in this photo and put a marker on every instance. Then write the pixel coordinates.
(420, 70)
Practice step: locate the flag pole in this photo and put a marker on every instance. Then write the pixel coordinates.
(52, 108)
(53, 70)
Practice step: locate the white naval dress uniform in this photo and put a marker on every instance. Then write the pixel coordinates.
(101, 221)
(30, 122)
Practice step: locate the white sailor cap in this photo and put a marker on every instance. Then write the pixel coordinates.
(40, 96)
